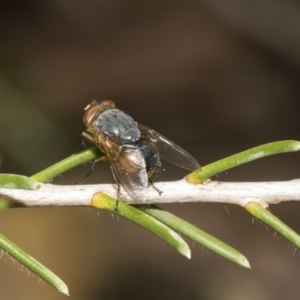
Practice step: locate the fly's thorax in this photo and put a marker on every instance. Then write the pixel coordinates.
(118, 126)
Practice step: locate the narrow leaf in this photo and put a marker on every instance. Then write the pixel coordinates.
(67, 164)
(197, 235)
(12, 181)
(267, 217)
(200, 175)
(103, 201)
(33, 265)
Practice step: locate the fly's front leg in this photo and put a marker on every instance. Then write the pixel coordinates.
(99, 159)
(89, 137)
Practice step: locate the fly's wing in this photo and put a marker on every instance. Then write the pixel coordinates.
(169, 150)
(129, 169)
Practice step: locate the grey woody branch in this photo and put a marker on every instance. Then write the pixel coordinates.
(239, 193)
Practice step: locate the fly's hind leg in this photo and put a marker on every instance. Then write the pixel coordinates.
(152, 184)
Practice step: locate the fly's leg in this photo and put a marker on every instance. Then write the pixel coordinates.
(84, 145)
(86, 137)
(117, 204)
(118, 190)
(99, 159)
(152, 184)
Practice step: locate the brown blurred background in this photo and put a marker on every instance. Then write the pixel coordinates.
(215, 77)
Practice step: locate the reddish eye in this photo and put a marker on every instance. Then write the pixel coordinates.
(90, 110)
(107, 104)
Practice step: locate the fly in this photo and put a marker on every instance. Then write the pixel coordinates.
(133, 150)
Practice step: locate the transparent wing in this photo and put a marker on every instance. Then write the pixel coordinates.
(129, 169)
(169, 150)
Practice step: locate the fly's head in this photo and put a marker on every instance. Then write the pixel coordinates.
(94, 109)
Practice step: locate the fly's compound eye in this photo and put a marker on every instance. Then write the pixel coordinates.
(107, 104)
(90, 111)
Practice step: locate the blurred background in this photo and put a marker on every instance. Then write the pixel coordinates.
(216, 77)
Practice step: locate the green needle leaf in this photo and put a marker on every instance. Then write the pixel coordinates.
(197, 235)
(33, 265)
(12, 181)
(200, 175)
(26, 183)
(264, 215)
(103, 201)
(67, 164)
(153, 219)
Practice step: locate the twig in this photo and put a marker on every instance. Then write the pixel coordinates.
(239, 193)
